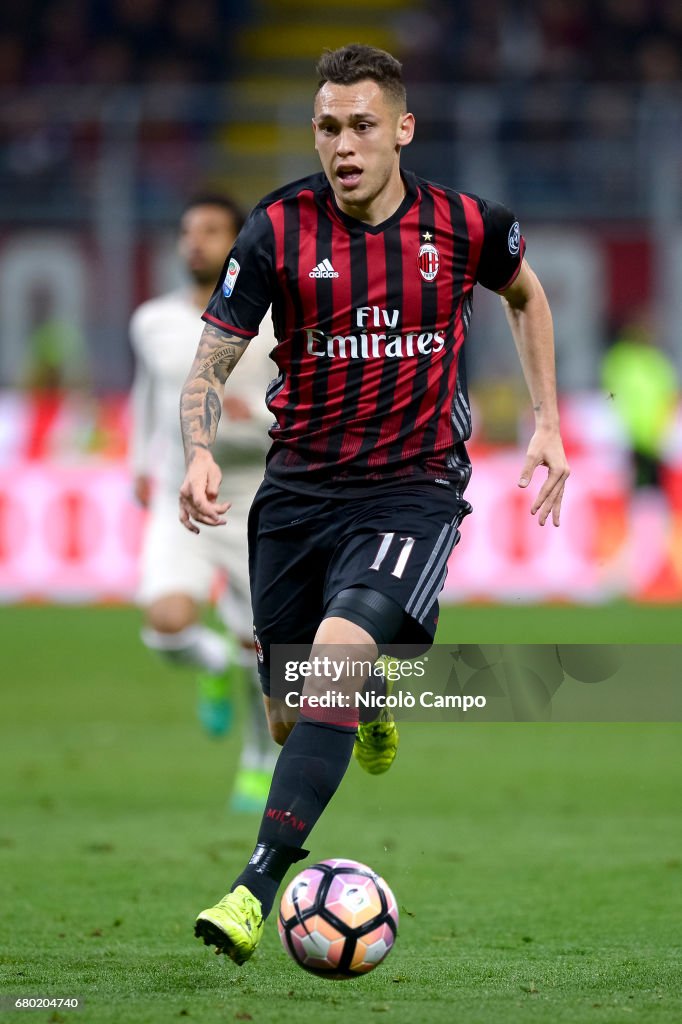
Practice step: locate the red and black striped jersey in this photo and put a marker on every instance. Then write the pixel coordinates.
(370, 323)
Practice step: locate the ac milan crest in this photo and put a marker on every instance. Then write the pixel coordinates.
(428, 261)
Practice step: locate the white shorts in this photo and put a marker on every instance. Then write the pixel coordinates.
(175, 561)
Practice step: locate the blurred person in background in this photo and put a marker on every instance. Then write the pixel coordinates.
(643, 384)
(56, 349)
(178, 571)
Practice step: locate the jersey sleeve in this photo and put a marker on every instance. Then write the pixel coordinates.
(503, 247)
(244, 290)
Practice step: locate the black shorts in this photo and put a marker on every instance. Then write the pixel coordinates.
(304, 550)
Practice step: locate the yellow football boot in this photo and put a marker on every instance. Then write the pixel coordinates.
(234, 925)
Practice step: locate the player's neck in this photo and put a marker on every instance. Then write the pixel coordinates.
(381, 207)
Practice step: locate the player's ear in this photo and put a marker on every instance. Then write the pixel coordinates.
(405, 132)
(314, 128)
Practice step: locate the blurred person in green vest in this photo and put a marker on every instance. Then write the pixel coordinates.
(643, 384)
(56, 357)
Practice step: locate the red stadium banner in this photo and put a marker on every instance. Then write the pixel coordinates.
(71, 533)
(68, 533)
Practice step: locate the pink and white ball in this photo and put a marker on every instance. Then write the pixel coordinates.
(338, 919)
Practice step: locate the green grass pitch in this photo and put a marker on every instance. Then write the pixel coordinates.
(538, 867)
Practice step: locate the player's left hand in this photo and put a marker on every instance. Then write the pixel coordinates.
(546, 449)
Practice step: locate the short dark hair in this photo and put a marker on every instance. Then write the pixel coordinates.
(355, 62)
(220, 199)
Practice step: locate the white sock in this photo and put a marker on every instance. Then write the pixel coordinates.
(196, 645)
(259, 751)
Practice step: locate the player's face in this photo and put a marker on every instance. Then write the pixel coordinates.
(359, 132)
(207, 234)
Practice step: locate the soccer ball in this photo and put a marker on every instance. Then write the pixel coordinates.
(338, 919)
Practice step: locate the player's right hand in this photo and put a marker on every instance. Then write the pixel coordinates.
(199, 493)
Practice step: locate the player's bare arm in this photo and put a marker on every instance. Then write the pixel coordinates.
(530, 320)
(200, 407)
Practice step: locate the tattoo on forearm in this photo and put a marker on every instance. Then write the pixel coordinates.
(536, 408)
(228, 356)
(201, 399)
(212, 409)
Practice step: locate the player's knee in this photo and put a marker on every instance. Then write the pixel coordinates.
(172, 615)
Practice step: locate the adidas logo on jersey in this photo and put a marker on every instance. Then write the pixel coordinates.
(323, 269)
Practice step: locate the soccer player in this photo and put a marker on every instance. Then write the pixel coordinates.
(178, 570)
(370, 271)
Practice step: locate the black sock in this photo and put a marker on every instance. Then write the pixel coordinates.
(307, 774)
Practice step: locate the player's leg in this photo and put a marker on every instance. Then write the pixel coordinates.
(287, 577)
(171, 628)
(308, 772)
(317, 747)
(315, 756)
(258, 752)
(175, 580)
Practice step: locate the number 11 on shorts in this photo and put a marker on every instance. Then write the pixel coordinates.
(405, 551)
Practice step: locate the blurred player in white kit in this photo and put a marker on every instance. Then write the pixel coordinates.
(178, 570)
